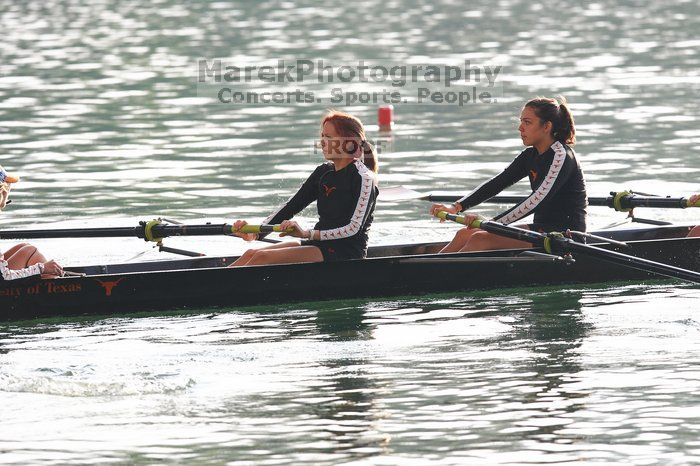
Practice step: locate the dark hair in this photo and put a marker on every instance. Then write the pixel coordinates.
(557, 112)
(351, 127)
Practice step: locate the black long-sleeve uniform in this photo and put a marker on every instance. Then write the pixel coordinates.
(558, 197)
(345, 200)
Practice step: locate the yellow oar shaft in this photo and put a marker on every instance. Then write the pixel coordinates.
(261, 229)
(476, 223)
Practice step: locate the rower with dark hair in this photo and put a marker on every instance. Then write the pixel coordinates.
(22, 260)
(558, 200)
(345, 191)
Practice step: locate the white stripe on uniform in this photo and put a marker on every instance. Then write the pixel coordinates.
(526, 207)
(358, 217)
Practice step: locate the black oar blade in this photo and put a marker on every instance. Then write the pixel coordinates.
(151, 231)
(117, 232)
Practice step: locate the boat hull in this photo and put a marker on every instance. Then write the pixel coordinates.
(204, 283)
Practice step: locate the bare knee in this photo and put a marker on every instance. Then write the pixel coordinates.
(244, 258)
(478, 241)
(16, 248)
(26, 252)
(459, 241)
(464, 234)
(259, 257)
(25, 256)
(248, 254)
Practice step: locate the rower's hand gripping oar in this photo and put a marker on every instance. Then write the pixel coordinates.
(261, 229)
(257, 230)
(558, 243)
(155, 231)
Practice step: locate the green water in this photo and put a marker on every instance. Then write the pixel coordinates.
(101, 115)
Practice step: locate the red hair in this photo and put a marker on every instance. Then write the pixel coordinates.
(351, 127)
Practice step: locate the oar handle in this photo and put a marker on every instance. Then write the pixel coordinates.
(476, 223)
(694, 204)
(261, 229)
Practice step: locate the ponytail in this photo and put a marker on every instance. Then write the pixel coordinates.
(369, 156)
(557, 112)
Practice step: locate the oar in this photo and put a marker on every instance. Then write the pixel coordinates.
(558, 243)
(153, 230)
(622, 201)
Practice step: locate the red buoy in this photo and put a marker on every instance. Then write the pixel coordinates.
(385, 116)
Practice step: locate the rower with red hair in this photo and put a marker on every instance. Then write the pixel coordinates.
(345, 190)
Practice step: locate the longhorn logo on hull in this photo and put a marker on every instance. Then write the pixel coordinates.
(108, 286)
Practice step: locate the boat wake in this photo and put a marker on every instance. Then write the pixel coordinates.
(70, 386)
